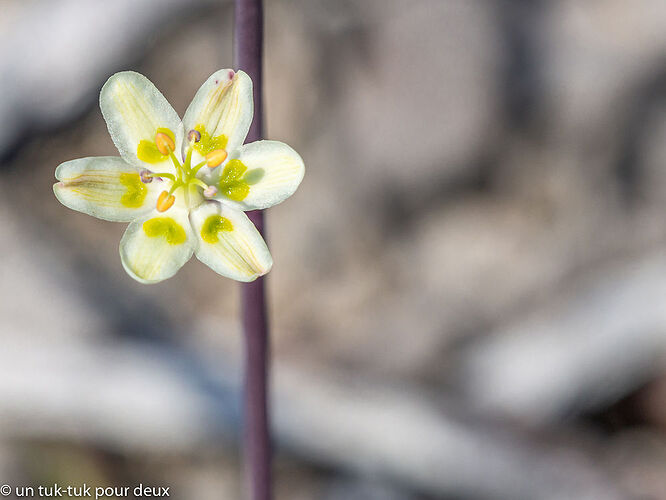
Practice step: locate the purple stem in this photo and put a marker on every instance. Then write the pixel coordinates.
(248, 34)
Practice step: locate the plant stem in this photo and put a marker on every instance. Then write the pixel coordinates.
(248, 36)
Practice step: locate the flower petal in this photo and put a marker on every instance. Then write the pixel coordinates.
(259, 175)
(156, 246)
(105, 187)
(135, 111)
(221, 112)
(229, 243)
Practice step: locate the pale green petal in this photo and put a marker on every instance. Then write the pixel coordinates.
(223, 106)
(156, 246)
(259, 175)
(105, 187)
(229, 243)
(134, 110)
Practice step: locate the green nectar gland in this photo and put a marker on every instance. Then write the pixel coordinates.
(136, 191)
(167, 228)
(232, 183)
(212, 227)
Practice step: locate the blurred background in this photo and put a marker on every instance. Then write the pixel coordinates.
(469, 292)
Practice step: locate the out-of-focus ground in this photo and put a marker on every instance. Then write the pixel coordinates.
(469, 292)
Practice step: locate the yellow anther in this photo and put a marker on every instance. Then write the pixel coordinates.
(164, 143)
(216, 157)
(165, 201)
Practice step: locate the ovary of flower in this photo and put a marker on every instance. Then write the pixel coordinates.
(176, 207)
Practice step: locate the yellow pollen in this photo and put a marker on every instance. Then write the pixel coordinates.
(164, 143)
(216, 157)
(165, 201)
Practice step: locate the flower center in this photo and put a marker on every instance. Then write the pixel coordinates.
(185, 178)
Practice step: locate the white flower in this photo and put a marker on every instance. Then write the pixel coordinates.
(183, 185)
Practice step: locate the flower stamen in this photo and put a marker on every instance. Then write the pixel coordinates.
(199, 183)
(188, 162)
(215, 158)
(159, 175)
(176, 164)
(197, 167)
(193, 136)
(164, 143)
(146, 176)
(165, 201)
(210, 191)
